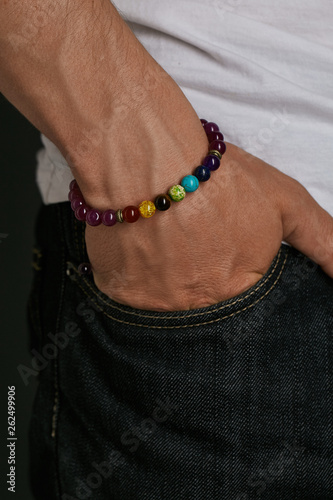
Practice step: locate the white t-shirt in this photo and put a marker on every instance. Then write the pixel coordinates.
(262, 70)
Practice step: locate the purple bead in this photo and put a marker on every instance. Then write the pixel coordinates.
(212, 162)
(211, 127)
(84, 268)
(202, 173)
(75, 193)
(73, 185)
(76, 203)
(215, 136)
(94, 217)
(203, 121)
(218, 146)
(109, 217)
(81, 213)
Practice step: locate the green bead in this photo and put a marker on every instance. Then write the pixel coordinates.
(177, 192)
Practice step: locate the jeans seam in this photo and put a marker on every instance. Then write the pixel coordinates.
(178, 317)
(36, 262)
(101, 299)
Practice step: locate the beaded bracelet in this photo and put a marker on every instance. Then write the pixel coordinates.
(162, 202)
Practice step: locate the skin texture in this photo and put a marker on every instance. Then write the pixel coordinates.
(128, 133)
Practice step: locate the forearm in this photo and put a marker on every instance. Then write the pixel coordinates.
(85, 81)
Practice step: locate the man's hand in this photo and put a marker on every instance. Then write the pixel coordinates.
(216, 243)
(79, 74)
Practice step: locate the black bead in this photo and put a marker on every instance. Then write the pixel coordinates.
(162, 202)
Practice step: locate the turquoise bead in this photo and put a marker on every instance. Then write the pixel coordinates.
(190, 183)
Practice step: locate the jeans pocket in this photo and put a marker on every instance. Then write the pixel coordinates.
(189, 404)
(182, 318)
(151, 389)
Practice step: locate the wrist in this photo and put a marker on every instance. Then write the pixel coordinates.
(143, 148)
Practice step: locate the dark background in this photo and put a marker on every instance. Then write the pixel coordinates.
(20, 200)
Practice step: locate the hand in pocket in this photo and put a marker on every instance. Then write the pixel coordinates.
(213, 245)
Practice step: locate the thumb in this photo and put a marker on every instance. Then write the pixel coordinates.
(308, 227)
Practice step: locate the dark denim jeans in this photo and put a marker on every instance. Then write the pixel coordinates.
(228, 402)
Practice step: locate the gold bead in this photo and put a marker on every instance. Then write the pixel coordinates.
(216, 153)
(119, 216)
(147, 209)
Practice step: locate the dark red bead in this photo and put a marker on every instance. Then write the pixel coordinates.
(131, 213)
(215, 136)
(203, 121)
(211, 127)
(218, 146)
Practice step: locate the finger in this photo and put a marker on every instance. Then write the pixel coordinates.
(309, 228)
